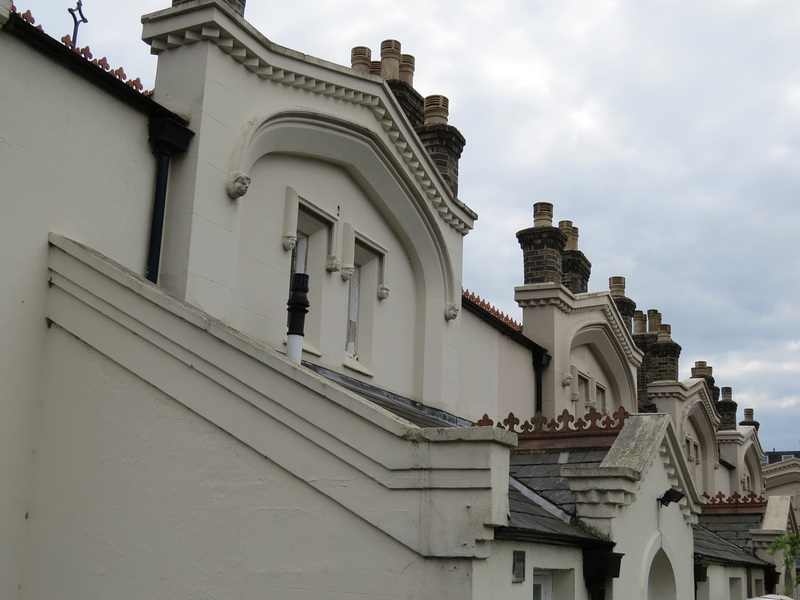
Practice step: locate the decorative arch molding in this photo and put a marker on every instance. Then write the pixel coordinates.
(752, 463)
(587, 309)
(603, 342)
(361, 153)
(704, 426)
(782, 473)
(267, 62)
(660, 574)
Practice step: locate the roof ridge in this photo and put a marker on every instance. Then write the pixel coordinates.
(491, 309)
(86, 53)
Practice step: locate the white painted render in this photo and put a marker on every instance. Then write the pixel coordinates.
(250, 100)
(585, 334)
(496, 373)
(74, 160)
(155, 442)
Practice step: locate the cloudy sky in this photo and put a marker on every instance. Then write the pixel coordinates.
(668, 131)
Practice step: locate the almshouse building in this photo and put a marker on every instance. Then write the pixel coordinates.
(157, 441)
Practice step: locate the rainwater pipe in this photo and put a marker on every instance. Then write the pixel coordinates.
(297, 308)
(167, 137)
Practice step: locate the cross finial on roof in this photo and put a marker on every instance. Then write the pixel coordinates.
(79, 9)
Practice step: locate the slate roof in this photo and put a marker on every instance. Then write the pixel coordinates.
(735, 528)
(405, 408)
(711, 548)
(534, 521)
(541, 471)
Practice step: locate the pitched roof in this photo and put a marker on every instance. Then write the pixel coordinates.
(711, 548)
(533, 519)
(541, 472)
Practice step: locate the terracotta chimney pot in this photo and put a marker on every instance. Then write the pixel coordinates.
(361, 59)
(543, 214)
(390, 59)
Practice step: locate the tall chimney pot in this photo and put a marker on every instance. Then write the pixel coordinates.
(407, 69)
(390, 59)
(361, 59)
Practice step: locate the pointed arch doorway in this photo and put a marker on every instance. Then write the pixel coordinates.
(661, 580)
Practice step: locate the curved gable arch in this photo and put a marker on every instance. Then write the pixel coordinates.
(371, 164)
(752, 465)
(602, 343)
(703, 425)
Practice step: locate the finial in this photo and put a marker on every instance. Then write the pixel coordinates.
(79, 9)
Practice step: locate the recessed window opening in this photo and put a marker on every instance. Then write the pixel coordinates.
(351, 343)
(300, 254)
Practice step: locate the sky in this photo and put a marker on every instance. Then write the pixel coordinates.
(667, 131)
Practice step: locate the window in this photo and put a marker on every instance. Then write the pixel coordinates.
(518, 568)
(300, 254)
(309, 234)
(351, 347)
(364, 269)
(600, 398)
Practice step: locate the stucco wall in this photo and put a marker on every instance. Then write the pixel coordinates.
(135, 496)
(326, 113)
(562, 567)
(386, 334)
(74, 160)
(496, 373)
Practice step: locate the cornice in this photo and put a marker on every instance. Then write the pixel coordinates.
(253, 54)
(571, 305)
(781, 467)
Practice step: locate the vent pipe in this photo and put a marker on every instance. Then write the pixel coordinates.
(297, 308)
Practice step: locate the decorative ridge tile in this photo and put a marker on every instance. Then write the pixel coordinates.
(488, 307)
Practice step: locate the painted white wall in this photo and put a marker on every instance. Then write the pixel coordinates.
(249, 99)
(73, 160)
(496, 373)
(137, 496)
(386, 327)
(583, 331)
(562, 564)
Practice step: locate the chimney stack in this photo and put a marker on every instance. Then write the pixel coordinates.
(443, 142)
(661, 353)
(542, 247)
(427, 116)
(701, 370)
(749, 413)
(576, 268)
(625, 306)
(727, 410)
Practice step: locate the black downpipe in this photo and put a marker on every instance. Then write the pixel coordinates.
(540, 362)
(167, 137)
(159, 207)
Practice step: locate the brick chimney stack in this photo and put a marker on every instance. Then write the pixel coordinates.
(749, 419)
(576, 268)
(443, 142)
(701, 370)
(625, 306)
(661, 353)
(727, 410)
(428, 116)
(542, 247)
